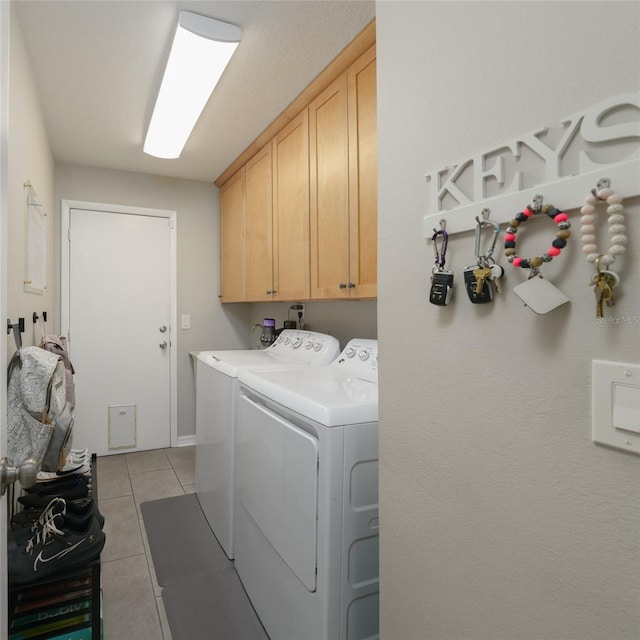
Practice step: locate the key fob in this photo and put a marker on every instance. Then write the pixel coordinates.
(441, 287)
(471, 286)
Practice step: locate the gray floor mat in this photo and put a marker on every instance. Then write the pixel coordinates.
(211, 606)
(181, 542)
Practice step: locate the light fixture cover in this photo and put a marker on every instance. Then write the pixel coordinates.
(201, 49)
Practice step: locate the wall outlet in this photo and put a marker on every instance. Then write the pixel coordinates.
(295, 311)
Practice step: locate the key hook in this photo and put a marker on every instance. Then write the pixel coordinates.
(481, 224)
(603, 183)
(440, 255)
(536, 206)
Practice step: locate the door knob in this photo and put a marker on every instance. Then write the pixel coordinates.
(26, 473)
(163, 344)
(162, 328)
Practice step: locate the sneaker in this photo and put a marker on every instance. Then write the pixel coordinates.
(69, 492)
(56, 486)
(76, 513)
(77, 458)
(67, 470)
(33, 520)
(57, 547)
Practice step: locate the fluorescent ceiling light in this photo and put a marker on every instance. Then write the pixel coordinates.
(201, 49)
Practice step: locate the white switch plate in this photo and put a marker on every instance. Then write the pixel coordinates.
(615, 404)
(186, 322)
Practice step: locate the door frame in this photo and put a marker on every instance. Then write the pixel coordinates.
(4, 216)
(65, 273)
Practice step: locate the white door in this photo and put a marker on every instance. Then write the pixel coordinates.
(119, 317)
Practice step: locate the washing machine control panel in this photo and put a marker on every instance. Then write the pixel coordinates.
(307, 346)
(360, 359)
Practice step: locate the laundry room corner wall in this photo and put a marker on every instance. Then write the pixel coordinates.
(30, 159)
(500, 519)
(213, 326)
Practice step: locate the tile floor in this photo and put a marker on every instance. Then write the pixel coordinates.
(132, 602)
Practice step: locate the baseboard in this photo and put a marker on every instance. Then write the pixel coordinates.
(187, 441)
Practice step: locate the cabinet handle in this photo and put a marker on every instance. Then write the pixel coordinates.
(342, 285)
(352, 285)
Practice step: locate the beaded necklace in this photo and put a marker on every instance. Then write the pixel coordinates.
(559, 242)
(617, 229)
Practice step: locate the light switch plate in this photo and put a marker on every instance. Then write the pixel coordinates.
(615, 404)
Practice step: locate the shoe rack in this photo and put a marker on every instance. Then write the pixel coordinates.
(65, 606)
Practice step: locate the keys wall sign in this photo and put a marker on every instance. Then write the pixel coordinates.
(563, 162)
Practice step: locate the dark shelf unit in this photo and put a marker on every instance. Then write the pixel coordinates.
(66, 605)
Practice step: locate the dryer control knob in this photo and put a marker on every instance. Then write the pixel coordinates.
(287, 340)
(308, 344)
(296, 342)
(363, 355)
(350, 352)
(317, 346)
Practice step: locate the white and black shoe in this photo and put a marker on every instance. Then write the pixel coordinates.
(76, 514)
(57, 547)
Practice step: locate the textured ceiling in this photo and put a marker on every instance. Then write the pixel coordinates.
(98, 67)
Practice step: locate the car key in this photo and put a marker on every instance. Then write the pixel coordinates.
(478, 285)
(496, 275)
(441, 287)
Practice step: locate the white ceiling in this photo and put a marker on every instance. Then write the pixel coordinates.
(98, 67)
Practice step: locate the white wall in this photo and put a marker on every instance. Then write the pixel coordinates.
(213, 326)
(500, 519)
(29, 158)
(343, 319)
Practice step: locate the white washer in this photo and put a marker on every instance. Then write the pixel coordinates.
(306, 532)
(216, 386)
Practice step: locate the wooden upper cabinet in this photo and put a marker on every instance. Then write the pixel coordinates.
(329, 162)
(299, 219)
(343, 147)
(232, 239)
(259, 233)
(291, 210)
(363, 175)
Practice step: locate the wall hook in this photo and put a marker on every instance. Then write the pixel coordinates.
(15, 325)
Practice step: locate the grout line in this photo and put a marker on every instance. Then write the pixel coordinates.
(166, 631)
(133, 555)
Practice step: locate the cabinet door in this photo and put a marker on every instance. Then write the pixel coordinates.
(329, 162)
(259, 235)
(291, 210)
(232, 239)
(363, 176)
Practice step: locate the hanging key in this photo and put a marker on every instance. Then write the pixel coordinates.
(481, 274)
(604, 282)
(479, 279)
(441, 287)
(478, 285)
(441, 278)
(496, 276)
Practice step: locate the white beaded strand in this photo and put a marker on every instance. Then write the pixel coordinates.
(617, 228)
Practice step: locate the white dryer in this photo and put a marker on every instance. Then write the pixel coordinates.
(216, 386)
(306, 533)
